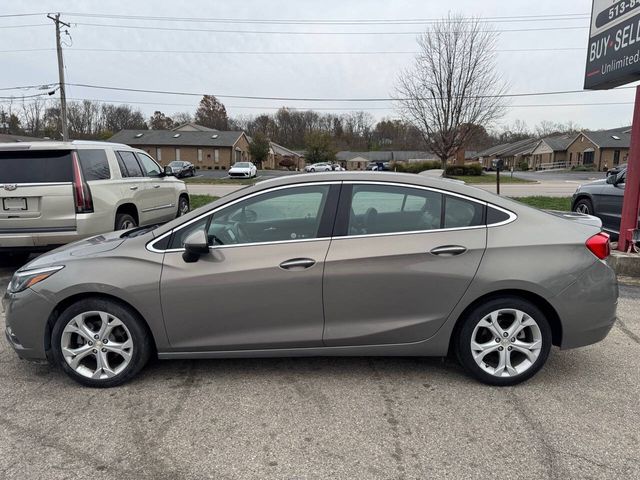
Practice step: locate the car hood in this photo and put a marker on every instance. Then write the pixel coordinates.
(82, 248)
(239, 169)
(594, 183)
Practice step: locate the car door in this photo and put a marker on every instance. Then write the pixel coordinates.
(608, 203)
(134, 182)
(260, 286)
(400, 260)
(160, 195)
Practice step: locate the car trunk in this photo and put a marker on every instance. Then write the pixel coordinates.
(36, 191)
(577, 217)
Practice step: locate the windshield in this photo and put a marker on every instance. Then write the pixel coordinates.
(241, 165)
(176, 164)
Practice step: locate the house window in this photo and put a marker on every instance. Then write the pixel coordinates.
(200, 155)
(616, 157)
(158, 154)
(177, 154)
(570, 157)
(216, 155)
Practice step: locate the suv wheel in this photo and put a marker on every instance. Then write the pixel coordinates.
(124, 221)
(100, 343)
(183, 206)
(584, 206)
(504, 341)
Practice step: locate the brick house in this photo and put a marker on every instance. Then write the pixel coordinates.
(603, 149)
(206, 148)
(551, 151)
(277, 153)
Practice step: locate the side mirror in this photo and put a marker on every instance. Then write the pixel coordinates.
(168, 170)
(611, 179)
(195, 245)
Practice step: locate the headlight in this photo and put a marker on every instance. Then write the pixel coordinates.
(28, 278)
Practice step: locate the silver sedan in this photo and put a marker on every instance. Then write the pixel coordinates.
(336, 264)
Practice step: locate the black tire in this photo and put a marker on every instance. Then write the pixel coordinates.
(181, 204)
(124, 221)
(142, 345)
(464, 332)
(586, 204)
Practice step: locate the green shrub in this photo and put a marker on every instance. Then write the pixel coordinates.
(523, 165)
(472, 169)
(415, 167)
(583, 168)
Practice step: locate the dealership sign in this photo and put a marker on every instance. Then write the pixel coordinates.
(613, 58)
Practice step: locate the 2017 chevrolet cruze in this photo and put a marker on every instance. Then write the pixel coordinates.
(337, 264)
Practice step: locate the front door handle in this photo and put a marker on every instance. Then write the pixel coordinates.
(297, 264)
(448, 250)
(135, 187)
(156, 186)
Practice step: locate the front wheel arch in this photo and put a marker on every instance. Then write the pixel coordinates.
(581, 197)
(67, 302)
(546, 308)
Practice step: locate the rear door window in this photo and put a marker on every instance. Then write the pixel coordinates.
(129, 165)
(95, 165)
(460, 213)
(35, 166)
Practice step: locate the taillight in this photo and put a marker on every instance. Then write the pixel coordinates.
(81, 192)
(599, 245)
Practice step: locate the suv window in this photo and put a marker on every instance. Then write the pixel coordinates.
(129, 165)
(377, 209)
(94, 163)
(151, 168)
(35, 166)
(289, 214)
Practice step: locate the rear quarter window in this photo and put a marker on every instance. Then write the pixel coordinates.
(460, 213)
(95, 165)
(35, 166)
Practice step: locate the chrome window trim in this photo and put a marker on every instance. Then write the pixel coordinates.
(512, 216)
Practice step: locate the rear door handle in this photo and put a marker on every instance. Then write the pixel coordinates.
(156, 186)
(297, 264)
(135, 187)
(448, 250)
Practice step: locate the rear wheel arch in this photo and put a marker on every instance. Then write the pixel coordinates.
(67, 302)
(546, 308)
(130, 209)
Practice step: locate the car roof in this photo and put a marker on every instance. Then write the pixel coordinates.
(57, 145)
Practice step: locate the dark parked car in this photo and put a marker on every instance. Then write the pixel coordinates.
(616, 170)
(603, 199)
(182, 169)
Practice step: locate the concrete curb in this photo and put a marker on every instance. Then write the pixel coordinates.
(625, 264)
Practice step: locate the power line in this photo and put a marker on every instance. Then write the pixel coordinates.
(307, 99)
(258, 52)
(396, 21)
(26, 87)
(283, 32)
(9, 15)
(28, 25)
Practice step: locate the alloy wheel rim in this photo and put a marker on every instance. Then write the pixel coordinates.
(127, 224)
(582, 208)
(184, 207)
(97, 345)
(506, 342)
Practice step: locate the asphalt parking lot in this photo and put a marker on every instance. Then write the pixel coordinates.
(329, 418)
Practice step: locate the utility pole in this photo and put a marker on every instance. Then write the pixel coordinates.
(63, 95)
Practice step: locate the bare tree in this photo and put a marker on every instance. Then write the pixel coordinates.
(32, 114)
(453, 86)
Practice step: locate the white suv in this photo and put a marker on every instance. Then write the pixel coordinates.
(52, 193)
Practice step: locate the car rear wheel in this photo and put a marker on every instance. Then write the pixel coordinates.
(124, 221)
(504, 341)
(584, 206)
(183, 206)
(100, 342)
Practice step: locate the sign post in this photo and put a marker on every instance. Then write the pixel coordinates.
(613, 59)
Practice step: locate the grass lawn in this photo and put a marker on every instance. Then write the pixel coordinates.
(200, 200)
(547, 203)
(220, 181)
(491, 179)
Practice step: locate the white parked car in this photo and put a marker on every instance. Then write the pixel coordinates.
(243, 170)
(53, 193)
(318, 167)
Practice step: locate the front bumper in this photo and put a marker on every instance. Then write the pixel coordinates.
(26, 330)
(240, 174)
(587, 307)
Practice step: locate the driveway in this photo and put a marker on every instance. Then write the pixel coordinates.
(309, 418)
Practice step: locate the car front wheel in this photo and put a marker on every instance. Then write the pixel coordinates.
(100, 342)
(183, 206)
(584, 206)
(504, 341)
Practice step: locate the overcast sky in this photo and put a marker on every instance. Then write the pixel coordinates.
(273, 75)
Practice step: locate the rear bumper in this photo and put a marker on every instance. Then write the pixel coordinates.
(587, 308)
(37, 240)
